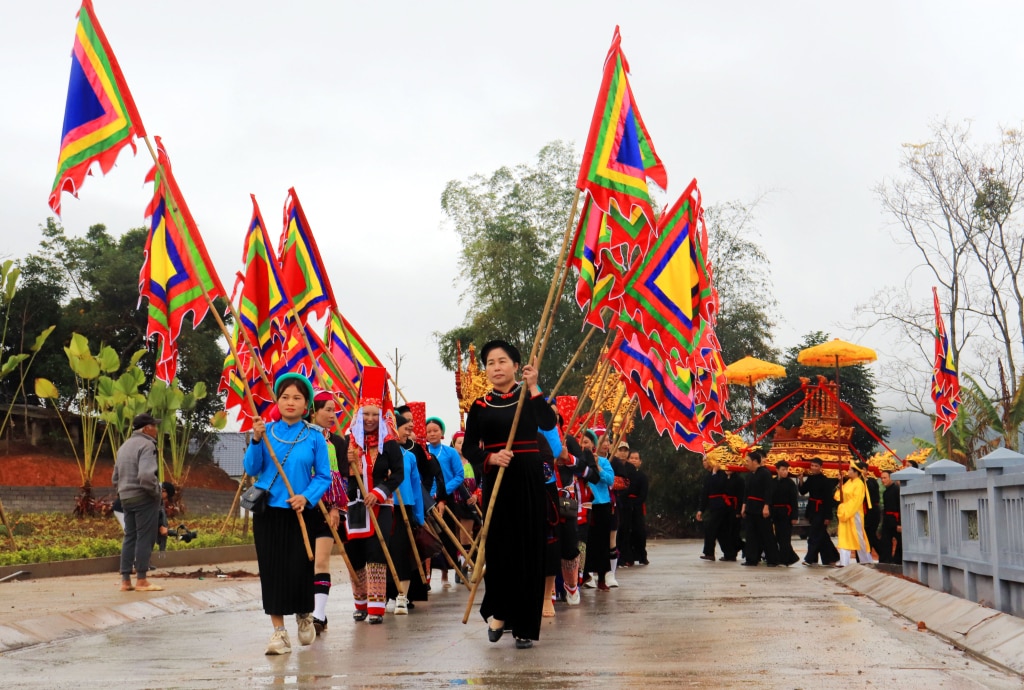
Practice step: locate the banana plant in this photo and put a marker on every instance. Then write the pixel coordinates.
(9, 275)
(120, 399)
(169, 402)
(87, 368)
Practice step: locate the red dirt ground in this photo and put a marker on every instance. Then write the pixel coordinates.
(41, 469)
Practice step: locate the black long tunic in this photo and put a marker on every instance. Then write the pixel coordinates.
(514, 554)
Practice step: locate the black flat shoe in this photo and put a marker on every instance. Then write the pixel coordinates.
(523, 643)
(359, 616)
(494, 635)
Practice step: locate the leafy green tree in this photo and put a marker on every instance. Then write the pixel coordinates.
(746, 318)
(856, 389)
(91, 284)
(511, 225)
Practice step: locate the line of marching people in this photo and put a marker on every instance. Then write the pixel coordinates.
(569, 513)
(754, 516)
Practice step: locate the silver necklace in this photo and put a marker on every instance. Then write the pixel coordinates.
(300, 436)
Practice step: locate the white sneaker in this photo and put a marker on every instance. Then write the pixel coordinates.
(573, 599)
(402, 606)
(592, 582)
(279, 643)
(610, 580)
(389, 606)
(307, 633)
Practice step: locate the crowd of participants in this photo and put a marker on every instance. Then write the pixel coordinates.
(569, 513)
(751, 515)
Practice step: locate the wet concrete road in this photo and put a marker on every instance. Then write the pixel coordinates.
(680, 622)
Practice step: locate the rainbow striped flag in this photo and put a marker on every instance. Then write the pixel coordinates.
(302, 270)
(262, 304)
(100, 117)
(619, 156)
(668, 293)
(945, 379)
(177, 274)
(348, 349)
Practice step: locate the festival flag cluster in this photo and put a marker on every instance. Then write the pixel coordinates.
(271, 334)
(945, 380)
(647, 275)
(289, 314)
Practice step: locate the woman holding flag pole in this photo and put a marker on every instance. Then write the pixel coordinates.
(515, 542)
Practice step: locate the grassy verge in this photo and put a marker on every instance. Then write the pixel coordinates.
(45, 537)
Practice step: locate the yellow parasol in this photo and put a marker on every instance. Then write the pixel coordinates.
(836, 353)
(749, 371)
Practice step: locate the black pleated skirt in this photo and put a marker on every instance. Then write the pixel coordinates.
(286, 572)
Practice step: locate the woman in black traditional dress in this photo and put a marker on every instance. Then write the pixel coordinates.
(514, 578)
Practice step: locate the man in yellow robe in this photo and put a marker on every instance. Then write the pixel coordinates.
(853, 501)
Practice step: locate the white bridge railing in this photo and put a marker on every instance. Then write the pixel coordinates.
(963, 532)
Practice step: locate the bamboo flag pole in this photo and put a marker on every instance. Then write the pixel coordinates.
(412, 537)
(234, 503)
(245, 382)
(560, 267)
(575, 356)
(595, 372)
(439, 516)
(356, 471)
(630, 411)
(448, 557)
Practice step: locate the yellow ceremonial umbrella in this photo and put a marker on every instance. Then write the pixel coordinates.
(836, 353)
(749, 371)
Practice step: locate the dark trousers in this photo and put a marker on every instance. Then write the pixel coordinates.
(624, 539)
(871, 522)
(819, 544)
(732, 526)
(718, 527)
(784, 538)
(140, 533)
(760, 538)
(887, 553)
(638, 532)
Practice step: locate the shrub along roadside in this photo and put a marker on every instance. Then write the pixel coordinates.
(46, 537)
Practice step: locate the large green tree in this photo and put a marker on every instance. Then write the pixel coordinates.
(856, 389)
(746, 318)
(89, 285)
(511, 224)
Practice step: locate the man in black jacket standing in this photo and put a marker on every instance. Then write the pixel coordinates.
(757, 514)
(819, 490)
(784, 512)
(891, 526)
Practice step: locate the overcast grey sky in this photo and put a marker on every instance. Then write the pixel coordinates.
(368, 109)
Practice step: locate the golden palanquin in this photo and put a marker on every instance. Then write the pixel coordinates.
(825, 433)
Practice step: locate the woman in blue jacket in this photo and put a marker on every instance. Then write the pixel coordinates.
(451, 468)
(286, 572)
(599, 531)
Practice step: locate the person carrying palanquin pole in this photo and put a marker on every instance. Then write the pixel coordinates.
(514, 548)
(757, 514)
(784, 512)
(853, 503)
(374, 453)
(714, 512)
(819, 490)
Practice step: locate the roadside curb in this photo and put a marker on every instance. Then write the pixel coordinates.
(60, 626)
(990, 635)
